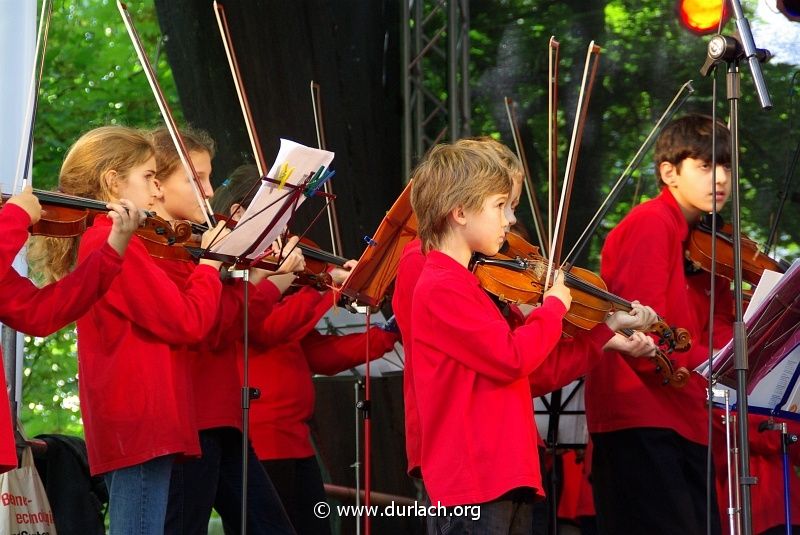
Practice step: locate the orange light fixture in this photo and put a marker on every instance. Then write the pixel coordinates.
(702, 16)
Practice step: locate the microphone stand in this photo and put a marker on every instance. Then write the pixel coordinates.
(730, 50)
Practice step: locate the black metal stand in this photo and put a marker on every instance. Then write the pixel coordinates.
(555, 407)
(728, 50)
(248, 394)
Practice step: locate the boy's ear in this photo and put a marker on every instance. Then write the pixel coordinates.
(235, 211)
(458, 214)
(668, 172)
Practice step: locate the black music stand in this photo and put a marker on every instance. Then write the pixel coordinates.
(254, 234)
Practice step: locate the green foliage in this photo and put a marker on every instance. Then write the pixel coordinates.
(49, 385)
(91, 77)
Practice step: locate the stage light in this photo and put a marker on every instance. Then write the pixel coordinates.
(702, 16)
(790, 8)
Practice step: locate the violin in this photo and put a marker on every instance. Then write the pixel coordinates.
(187, 248)
(517, 273)
(68, 216)
(698, 252)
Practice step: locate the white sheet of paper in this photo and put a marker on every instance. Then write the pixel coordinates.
(269, 200)
(769, 279)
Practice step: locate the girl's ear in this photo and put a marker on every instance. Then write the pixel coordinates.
(158, 189)
(668, 173)
(111, 181)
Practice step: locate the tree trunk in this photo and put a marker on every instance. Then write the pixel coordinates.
(350, 48)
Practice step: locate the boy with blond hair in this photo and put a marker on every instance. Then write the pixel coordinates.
(470, 375)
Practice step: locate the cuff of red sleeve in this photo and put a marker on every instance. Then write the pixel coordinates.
(267, 290)
(600, 334)
(554, 305)
(110, 254)
(16, 214)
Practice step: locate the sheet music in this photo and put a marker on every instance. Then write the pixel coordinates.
(773, 341)
(572, 428)
(757, 318)
(269, 206)
(769, 279)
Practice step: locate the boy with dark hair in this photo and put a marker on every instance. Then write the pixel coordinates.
(639, 426)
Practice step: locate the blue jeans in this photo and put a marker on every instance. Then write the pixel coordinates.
(511, 514)
(138, 497)
(215, 481)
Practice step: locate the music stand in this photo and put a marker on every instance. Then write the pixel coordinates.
(773, 341)
(366, 286)
(297, 173)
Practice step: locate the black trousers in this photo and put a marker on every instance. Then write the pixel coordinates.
(651, 481)
(299, 484)
(215, 480)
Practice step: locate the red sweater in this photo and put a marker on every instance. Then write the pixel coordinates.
(42, 311)
(766, 464)
(135, 392)
(291, 351)
(571, 359)
(471, 381)
(643, 258)
(216, 386)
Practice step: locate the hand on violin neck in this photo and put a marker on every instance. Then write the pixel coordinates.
(126, 218)
(636, 345)
(292, 259)
(28, 202)
(210, 236)
(559, 290)
(639, 317)
(340, 274)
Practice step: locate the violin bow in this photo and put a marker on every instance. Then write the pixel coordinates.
(591, 64)
(32, 103)
(680, 98)
(528, 180)
(227, 43)
(255, 142)
(552, 132)
(333, 220)
(169, 120)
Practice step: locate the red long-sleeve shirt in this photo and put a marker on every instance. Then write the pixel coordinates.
(135, 391)
(470, 377)
(291, 351)
(42, 311)
(643, 258)
(572, 358)
(216, 385)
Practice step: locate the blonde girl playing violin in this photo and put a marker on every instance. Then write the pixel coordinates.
(135, 394)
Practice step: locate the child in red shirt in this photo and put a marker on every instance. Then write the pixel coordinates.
(42, 311)
(639, 426)
(285, 352)
(215, 479)
(572, 358)
(135, 395)
(470, 375)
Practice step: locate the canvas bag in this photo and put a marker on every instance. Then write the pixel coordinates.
(24, 507)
